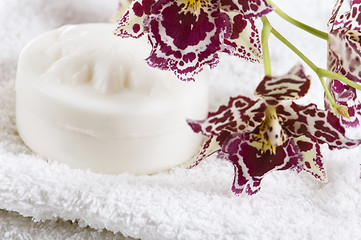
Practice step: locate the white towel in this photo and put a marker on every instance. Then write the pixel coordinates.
(178, 204)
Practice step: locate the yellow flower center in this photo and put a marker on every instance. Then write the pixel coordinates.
(355, 36)
(271, 134)
(193, 4)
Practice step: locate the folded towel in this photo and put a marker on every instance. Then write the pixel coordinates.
(180, 203)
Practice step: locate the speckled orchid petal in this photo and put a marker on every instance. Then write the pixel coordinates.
(351, 19)
(209, 147)
(248, 8)
(345, 53)
(335, 11)
(184, 39)
(345, 95)
(132, 22)
(244, 41)
(310, 121)
(251, 167)
(312, 158)
(240, 114)
(293, 85)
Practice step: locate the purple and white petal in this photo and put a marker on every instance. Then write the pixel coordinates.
(251, 167)
(183, 40)
(132, 22)
(345, 95)
(344, 56)
(248, 8)
(335, 11)
(244, 41)
(240, 114)
(209, 147)
(308, 120)
(312, 158)
(293, 85)
(350, 20)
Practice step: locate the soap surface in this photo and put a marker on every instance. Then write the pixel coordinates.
(87, 98)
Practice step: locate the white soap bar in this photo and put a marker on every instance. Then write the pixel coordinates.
(87, 98)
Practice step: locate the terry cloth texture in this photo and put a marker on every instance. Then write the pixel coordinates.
(62, 203)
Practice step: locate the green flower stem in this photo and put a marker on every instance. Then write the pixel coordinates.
(320, 72)
(307, 28)
(333, 75)
(266, 31)
(328, 93)
(294, 49)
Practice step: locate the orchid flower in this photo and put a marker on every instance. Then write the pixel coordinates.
(271, 133)
(186, 35)
(344, 57)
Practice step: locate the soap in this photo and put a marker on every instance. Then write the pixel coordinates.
(87, 98)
